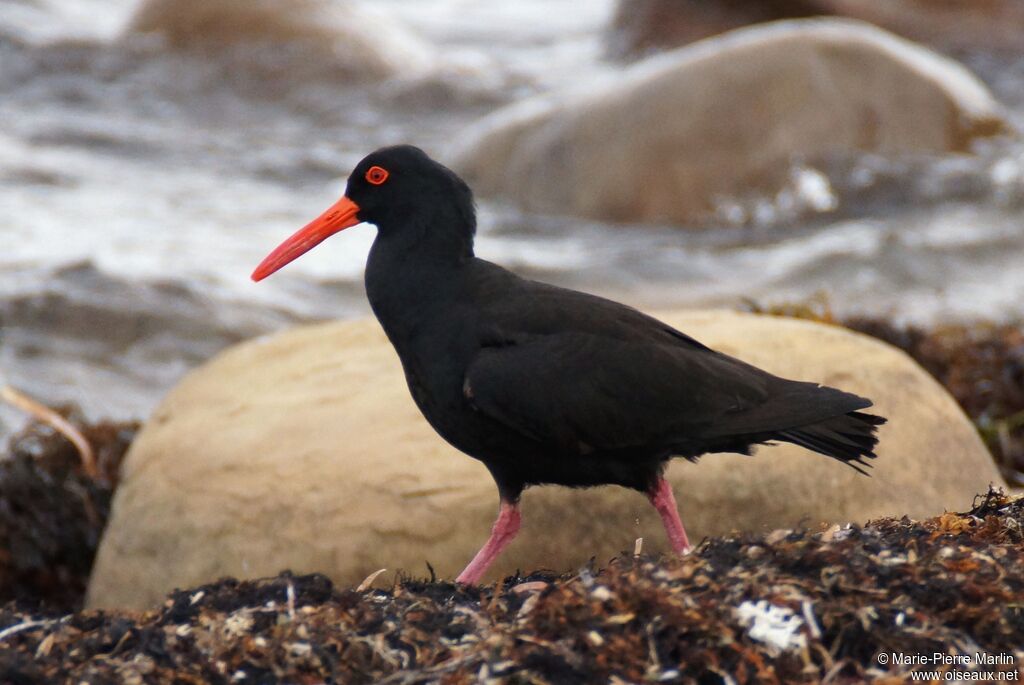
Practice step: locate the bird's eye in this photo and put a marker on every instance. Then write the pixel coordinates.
(376, 175)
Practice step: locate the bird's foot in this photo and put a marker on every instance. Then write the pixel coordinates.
(503, 532)
(665, 502)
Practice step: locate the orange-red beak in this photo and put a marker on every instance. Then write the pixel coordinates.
(340, 216)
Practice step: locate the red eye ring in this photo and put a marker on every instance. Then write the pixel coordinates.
(376, 175)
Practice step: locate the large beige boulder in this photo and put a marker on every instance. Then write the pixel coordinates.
(304, 450)
(675, 136)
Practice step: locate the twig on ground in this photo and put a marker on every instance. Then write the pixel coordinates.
(41, 412)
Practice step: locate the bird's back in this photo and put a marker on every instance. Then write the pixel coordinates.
(595, 377)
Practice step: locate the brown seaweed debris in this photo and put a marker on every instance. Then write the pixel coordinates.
(55, 420)
(841, 597)
(52, 512)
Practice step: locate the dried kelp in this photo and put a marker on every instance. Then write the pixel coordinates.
(53, 511)
(790, 606)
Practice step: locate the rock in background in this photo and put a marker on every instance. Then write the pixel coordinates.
(640, 27)
(676, 137)
(362, 43)
(985, 25)
(305, 451)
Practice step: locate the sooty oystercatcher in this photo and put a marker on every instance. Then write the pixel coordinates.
(548, 385)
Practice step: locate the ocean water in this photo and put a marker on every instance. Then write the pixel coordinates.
(142, 178)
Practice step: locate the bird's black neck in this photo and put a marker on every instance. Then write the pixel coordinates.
(409, 284)
(436, 229)
(415, 265)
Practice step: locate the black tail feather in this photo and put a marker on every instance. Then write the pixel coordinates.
(850, 438)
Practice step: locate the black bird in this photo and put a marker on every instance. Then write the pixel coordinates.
(548, 385)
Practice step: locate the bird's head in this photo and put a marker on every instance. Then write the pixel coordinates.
(413, 200)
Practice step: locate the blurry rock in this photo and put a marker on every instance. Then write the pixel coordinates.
(305, 451)
(677, 136)
(986, 25)
(368, 43)
(643, 26)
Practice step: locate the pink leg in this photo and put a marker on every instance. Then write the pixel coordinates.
(665, 502)
(504, 530)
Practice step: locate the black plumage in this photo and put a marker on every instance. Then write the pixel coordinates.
(549, 385)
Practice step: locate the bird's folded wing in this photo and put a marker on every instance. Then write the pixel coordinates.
(590, 392)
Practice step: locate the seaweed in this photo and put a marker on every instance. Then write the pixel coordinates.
(840, 597)
(53, 509)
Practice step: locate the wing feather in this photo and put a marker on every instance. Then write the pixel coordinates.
(579, 389)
